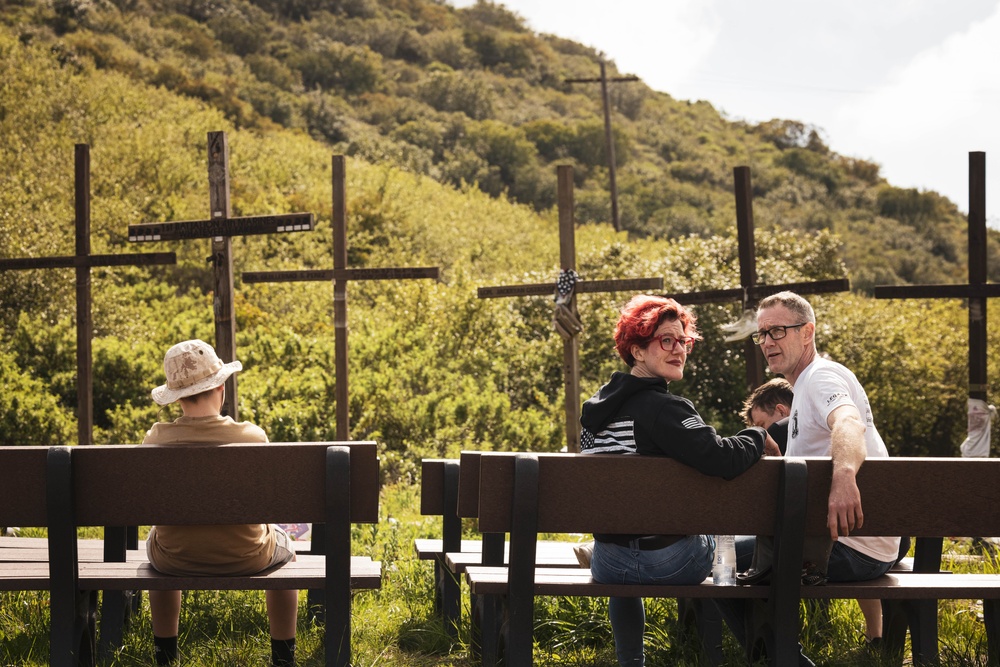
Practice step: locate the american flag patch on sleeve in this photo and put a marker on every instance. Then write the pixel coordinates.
(693, 422)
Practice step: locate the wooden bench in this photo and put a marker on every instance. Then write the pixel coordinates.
(439, 496)
(335, 484)
(525, 494)
(930, 498)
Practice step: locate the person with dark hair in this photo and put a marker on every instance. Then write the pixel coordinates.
(769, 407)
(196, 378)
(635, 413)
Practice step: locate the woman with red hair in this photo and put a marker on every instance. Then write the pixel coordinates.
(635, 413)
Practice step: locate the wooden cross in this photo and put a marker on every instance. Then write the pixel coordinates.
(340, 275)
(977, 291)
(609, 140)
(221, 227)
(749, 293)
(567, 260)
(117, 606)
(83, 261)
(927, 555)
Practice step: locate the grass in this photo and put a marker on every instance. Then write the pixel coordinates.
(396, 625)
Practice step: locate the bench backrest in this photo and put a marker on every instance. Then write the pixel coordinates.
(921, 497)
(432, 486)
(439, 497)
(468, 484)
(22, 491)
(630, 494)
(124, 485)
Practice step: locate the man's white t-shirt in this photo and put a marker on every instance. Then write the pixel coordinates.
(821, 388)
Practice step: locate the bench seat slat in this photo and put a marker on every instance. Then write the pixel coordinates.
(905, 586)
(306, 572)
(43, 543)
(459, 562)
(577, 581)
(24, 576)
(431, 548)
(913, 586)
(42, 555)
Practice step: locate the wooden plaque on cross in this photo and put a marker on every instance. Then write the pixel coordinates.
(567, 261)
(340, 275)
(749, 293)
(83, 261)
(221, 227)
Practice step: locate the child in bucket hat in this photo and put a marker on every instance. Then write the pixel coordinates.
(192, 367)
(196, 378)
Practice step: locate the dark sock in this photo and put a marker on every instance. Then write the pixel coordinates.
(283, 652)
(165, 650)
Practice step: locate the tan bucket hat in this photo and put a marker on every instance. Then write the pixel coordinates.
(192, 367)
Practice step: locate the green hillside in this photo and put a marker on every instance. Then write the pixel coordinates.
(454, 122)
(473, 97)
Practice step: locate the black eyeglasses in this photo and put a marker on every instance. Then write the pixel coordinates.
(776, 333)
(668, 342)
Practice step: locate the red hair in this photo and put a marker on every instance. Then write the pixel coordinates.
(642, 316)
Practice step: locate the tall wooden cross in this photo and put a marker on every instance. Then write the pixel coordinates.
(83, 261)
(927, 554)
(118, 605)
(977, 290)
(221, 227)
(567, 261)
(340, 275)
(749, 293)
(609, 141)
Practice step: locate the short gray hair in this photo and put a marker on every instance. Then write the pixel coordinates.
(792, 302)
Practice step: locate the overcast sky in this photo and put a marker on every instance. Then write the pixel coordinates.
(912, 85)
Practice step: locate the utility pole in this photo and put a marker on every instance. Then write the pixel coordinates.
(608, 138)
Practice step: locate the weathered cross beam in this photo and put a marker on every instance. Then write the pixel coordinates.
(609, 141)
(977, 290)
(567, 260)
(750, 292)
(117, 606)
(340, 275)
(221, 227)
(83, 261)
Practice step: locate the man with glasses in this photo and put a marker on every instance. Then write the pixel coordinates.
(830, 416)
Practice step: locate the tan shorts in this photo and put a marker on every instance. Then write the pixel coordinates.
(284, 551)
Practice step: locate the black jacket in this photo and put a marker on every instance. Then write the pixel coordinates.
(633, 415)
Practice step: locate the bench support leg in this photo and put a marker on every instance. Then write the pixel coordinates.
(991, 617)
(117, 607)
(79, 641)
(448, 589)
(922, 616)
(486, 639)
(447, 597)
(703, 618)
(316, 597)
(894, 623)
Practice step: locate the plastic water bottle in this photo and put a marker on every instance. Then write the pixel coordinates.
(724, 565)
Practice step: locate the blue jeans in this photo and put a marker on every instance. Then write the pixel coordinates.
(846, 564)
(688, 561)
